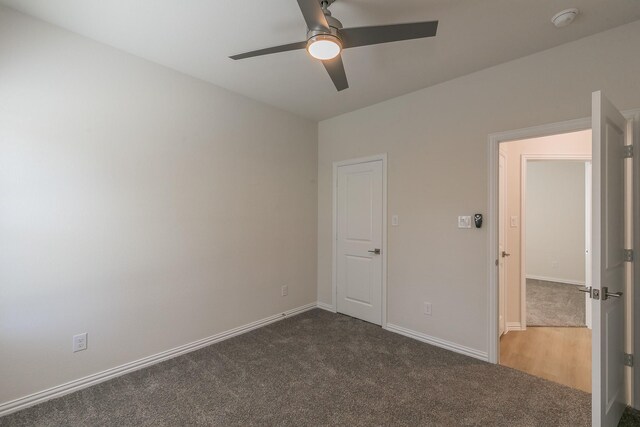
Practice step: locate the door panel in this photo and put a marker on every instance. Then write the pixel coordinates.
(358, 279)
(359, 233)
(609, 127)
(359, 201)
(587, 239)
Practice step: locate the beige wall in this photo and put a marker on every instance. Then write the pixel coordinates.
(142, 206)
(576, 143)
(436, 140)
(555, 221)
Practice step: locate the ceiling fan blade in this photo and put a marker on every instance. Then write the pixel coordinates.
(335, 68)
(313, 15)
(365, 36)
(270, 50)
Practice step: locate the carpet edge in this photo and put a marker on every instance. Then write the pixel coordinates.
(24, 402)
(438, 342)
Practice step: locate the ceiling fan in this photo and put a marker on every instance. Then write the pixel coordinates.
(326, 38)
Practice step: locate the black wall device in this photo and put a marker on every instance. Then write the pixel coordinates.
(477, 218)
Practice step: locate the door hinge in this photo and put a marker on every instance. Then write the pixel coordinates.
(628, 359)
(628, 151)
(627, 255)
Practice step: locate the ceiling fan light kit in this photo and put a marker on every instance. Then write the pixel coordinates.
(324, 46)
(326, 38)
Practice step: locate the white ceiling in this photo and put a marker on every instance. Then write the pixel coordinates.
(197, 36)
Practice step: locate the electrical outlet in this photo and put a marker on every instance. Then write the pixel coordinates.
(284, 290)
(79, 342)
(427, 308)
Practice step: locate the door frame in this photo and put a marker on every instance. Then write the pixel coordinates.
(524, 159)
(568, 126)
(334, 233)
(494, 142)
(635, 323)
(504, 184)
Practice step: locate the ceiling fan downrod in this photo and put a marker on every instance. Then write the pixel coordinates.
(333, 22)
(325, 5)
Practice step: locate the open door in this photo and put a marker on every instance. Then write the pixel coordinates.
(608, 262)
(587, 241)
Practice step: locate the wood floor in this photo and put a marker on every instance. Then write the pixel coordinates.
(562, 355)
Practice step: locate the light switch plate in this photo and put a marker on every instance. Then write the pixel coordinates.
(514, 221)
(427, 308)
(464, 222)
(394, 220)
(79, 342)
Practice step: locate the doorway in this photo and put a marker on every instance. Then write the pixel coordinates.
(360, 238)
(544, 221)
(555, 239)
(615, 139)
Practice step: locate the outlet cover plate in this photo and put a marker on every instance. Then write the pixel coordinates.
(80, 342)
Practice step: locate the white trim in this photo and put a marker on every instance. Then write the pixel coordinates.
(505, 263)
(635, 318)
(334, 281)
(90, 380)
(556, 280)
(514, 326)
(438, 342)
(524, 158)
(327, 307)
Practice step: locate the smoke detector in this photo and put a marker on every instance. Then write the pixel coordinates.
(564, 18)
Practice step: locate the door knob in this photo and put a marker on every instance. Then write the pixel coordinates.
(606, 294)
(504, 254)
(586, 290)
(374, 251)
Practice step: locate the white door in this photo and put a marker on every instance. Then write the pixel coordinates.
(359, 241)
(608, 277)
(502, 212)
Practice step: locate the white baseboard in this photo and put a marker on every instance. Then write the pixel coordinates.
(514, 326)
(75, 385)
(448, 345)
(327, 307)
(556, 279)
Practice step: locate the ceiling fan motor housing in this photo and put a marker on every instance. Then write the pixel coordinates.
(322, 32)
(334, 24)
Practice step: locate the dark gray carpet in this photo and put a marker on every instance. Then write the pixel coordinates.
(554, 304)
(317, 369)
(630, 418)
